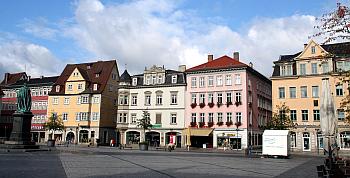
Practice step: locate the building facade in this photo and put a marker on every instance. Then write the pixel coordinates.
(85, 97)
(161, 93)
(296, 81)
(227, 102)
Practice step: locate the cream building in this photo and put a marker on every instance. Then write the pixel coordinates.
(161, 93)
(84, 96)
(297, 82)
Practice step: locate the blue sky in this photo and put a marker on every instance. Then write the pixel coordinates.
(34, 35)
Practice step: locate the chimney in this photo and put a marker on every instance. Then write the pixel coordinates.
(210, 57)
(182, 68)
(6, 77)
(250, 64)
(305, 45)
(236, 55)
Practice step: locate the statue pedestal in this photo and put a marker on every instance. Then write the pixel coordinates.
(20, 135)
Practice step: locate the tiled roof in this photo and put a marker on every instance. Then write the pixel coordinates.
(338, 49)
(289, 57)
(13, 78)
(223, 62)
(88, 71)
(36, 81)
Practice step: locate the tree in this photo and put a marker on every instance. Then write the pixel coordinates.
(281, 119)
(334, 25)
(144, 123)
(53, 124)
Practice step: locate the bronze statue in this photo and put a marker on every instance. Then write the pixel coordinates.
(24, 100)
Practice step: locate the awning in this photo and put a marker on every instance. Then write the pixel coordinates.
(198, 132)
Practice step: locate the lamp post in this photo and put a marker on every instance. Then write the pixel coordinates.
(237, 125)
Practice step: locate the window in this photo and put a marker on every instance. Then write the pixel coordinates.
(238, 97)
(315, 103)
(114, 76)
(302, 69)
(237, 79)
(193, 82)
(193, 117)
(77, 116)
(325, 68)
(316, 115)
(238, 117)
(57, 88)
(293, 115)
(133, 118)
(314, 68)
(95, 86)
(219, 97)
(229, 117)
(339, 90)
(70, 87)
(134, 100)
(173, 98)
(158, 118)
(65, 116)
(304, 115)
(80, 86)
(55, 100)
(96, 99)
(79, 100)
(219, 80)
(84, 99)
(341, 114)
(286, 70)
(210, 81)
(303, 91)
(219, 116)
(202, 117)
(154, 80)
(281, 92)
(194, 98)
(66, 101)
(122, 117)
(292, 92)
(173, 79)
(210, 98)
(228, 97)
(211, 117)
(97, 75)
(148, 100)
(201, 82)
(148, 80)
(313, 49)
(134, 81)
(95, 116)
(315, 91)
(173, 119)
(110, 87)
(201, 98)
(159, 99)
(84, 116)
(228, 80)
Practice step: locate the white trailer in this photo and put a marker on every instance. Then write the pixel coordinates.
(276, 143)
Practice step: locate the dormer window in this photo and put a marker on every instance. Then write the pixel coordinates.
(88, 66)
(95, 86)
(154, 80)
(97, 75)
(134, 81)
(57, 88)
(174, 79)
(160, 79)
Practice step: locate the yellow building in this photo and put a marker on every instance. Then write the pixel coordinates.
(297, 82)
(84, 96)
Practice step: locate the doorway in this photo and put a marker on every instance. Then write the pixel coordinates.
(70, 137)
(306, 141)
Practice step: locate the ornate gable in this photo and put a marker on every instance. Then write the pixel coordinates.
(312, 50)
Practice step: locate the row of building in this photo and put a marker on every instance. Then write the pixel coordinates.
(222, 101)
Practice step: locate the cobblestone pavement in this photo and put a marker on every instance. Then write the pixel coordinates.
(76, 162)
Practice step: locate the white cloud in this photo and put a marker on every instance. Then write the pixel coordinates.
(40, 28)
(143, 33)
(17, 56)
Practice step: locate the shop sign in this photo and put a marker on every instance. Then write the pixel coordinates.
(156, 125)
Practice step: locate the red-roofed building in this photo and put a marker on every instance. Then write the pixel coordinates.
(222, 94)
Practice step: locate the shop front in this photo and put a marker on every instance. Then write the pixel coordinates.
(38, 133)
(200, 137)
(173, 138)
(229, 139)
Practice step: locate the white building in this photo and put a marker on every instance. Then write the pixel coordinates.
(161, 93)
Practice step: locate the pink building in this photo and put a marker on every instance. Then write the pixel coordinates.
(222, 95)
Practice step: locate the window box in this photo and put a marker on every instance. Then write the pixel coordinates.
(229, 123)
(201, 105)
(193, 124)
(193, 105)
(237, 103)
(237, 124)
(210, 124)
(201, 124)
(228, 103)
(211, 105)
(220, 123)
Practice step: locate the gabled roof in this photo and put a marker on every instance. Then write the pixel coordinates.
(223, 62)
(41, 81)
(289, 57)
(12, 78)
(125, 77)
(88, 71)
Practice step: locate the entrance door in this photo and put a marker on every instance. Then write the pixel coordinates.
(70, 137)
(306, 141)
(235, 143)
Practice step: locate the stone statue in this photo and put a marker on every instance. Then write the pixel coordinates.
(24, 100)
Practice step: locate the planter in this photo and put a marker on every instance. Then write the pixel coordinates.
(193, 105)
(211, 105)
(229, 123)
(219, 104)
(193, 124)
(237, 103)
(201, 124)
(201, 105)
(228, 103)
(51, 143)
(220, 123)
(143, 146)
(210, 124)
